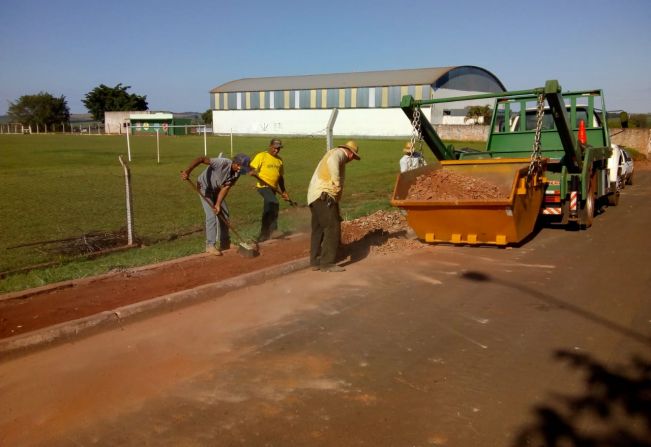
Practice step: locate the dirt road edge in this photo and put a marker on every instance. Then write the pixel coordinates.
(47, 337)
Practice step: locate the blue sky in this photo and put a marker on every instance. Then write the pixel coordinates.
(174, 52)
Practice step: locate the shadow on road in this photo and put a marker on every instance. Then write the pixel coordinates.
(614, 408)
(360, 249)
(560, 304)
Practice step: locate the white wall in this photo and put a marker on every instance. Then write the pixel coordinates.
(113, 122)
(355, 122)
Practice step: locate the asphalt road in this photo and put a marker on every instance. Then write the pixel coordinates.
(441, 346)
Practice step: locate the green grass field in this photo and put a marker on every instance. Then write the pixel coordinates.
(64, 186)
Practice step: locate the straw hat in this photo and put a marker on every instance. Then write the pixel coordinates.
(409, 148)
(352, 146)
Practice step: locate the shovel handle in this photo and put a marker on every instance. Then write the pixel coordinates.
(219, 215)
(288, 200)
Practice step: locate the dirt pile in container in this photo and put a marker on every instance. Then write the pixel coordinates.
(382, 232)
(446, 185)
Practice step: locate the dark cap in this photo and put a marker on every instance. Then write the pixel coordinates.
(276, 143)
(244, 161)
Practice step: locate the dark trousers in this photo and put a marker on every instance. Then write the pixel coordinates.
(326, 232)
(270, 208)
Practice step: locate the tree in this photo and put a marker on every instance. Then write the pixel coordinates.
(41, 109)
(207, 116)
(477, 112)
(113, 99)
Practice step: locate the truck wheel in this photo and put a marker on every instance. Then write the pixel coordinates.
(586, 215)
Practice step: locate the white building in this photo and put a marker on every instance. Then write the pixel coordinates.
(368, 103)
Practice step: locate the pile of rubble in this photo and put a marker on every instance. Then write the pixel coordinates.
(380, 232)
(444, 185)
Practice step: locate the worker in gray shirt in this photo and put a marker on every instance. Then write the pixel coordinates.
(214, 183)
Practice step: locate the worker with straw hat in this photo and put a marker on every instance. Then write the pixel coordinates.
(323, 196)
(411, 159)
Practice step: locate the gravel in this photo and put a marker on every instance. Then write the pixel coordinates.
(445, 185)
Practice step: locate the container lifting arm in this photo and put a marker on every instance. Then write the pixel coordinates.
(432, 139)
(573, 153)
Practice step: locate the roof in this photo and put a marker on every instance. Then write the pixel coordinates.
(415, 76)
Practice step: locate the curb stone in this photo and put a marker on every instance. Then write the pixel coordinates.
(75, 329)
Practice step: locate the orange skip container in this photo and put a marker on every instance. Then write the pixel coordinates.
(476, 221)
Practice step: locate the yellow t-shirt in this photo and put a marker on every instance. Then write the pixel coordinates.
(269, 167)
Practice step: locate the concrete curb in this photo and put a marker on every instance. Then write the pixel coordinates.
(63, 332)
(81, 281)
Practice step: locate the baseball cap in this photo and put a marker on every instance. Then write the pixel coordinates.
(244, 161)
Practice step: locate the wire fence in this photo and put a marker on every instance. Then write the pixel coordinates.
(62, 128)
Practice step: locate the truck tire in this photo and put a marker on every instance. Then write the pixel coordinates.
(588, 206)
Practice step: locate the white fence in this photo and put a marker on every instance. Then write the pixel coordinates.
(67, 128)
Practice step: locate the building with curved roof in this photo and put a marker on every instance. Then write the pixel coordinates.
(368, 103)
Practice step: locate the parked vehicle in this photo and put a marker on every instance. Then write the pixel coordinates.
(627, 166)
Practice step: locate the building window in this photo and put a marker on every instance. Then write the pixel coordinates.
(332, 96)
(394, 95)
(232, 101)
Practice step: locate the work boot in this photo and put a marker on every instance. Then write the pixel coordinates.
(333, 268)
(211, 249)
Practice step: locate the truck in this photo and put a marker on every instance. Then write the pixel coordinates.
(547, 148)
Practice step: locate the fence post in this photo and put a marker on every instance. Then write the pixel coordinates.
(127, 183)
(329, 129)
(128, 142)
(205, 143)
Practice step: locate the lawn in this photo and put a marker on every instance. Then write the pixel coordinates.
(55, 187)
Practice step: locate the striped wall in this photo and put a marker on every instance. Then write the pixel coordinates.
(343, 98)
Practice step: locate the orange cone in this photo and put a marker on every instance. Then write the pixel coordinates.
(583, 138)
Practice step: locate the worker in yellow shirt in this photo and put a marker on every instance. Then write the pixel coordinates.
(267, 167)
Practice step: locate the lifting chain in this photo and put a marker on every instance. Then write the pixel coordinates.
(416, 136)
(535, 165)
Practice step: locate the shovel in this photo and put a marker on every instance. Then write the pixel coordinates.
(248, 250)
(288, 200)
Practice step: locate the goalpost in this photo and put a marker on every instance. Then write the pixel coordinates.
(165, 128)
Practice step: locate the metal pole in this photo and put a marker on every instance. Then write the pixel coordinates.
(205, 143)
(127, 183)
(231, 142)
(331, 125)
(157, 147)
(128, 143)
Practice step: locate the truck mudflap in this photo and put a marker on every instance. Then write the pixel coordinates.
(506, 218)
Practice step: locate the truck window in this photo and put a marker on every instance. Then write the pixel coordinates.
(547, 124)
